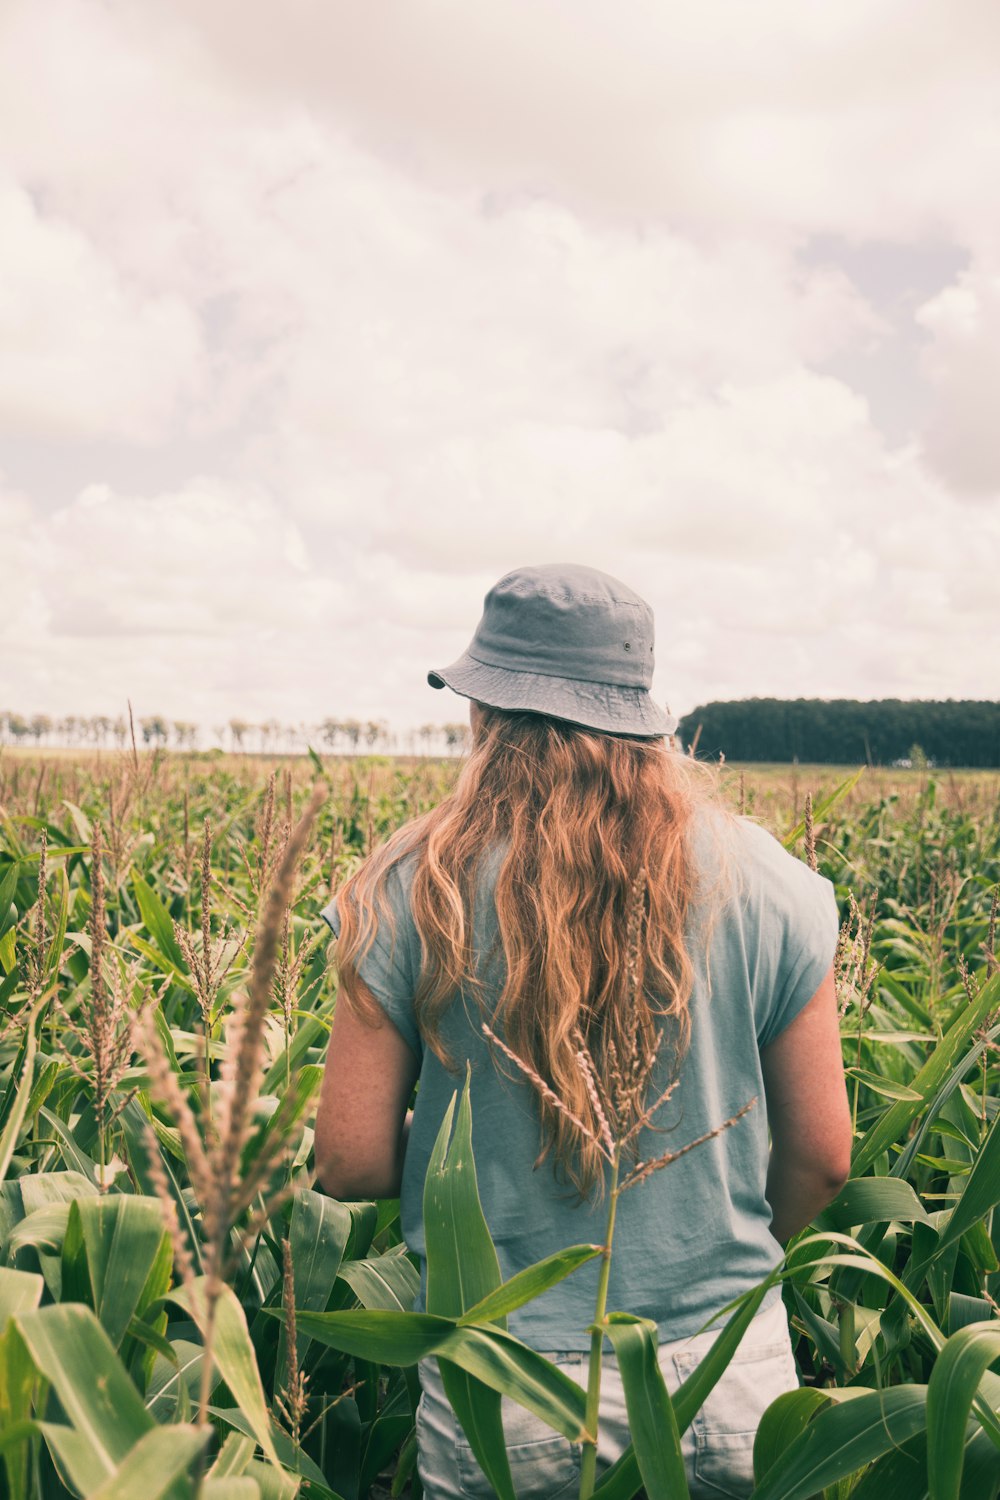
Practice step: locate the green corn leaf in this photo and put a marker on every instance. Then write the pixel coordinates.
(44, 1230)
(823, 806)
(902, 1473)
(963, 1310)
(233, 1457)
(8, 944)
(288, 1113)
(494, 1357)
(278, 1484)
(53, 957)
(887, 1087)
(872, 1200)
(463, 1270)
(462, 1265)
(622, 1480)
(824, 1335)
(233, 1354)
(157, 920)
(953, 1385)
(80, 822)
(160, 961)
(8, 885)
(8, 940)
(15, 1077)
(44, 1084)
(899, 1475)
(71, 1350)
(478, 1410)
(80, 1470)
(169, 1375)
(20, 1291)
(981, 1192)
(14, 1434)
(844, 1437)
(318, 1232)
(290, 1456)
(782, 1423)
(383, 1281)
(364, 1221)
(154, 1465)
(529, 1283)
(18, 1378)
(894, 1123)
(510, 1367)
(112, 1243)
(133, 1121)
(651, 1419)
(8, 986)
(932, 1118)
(384, 1338)
(311, 1033)
(74, 1157)
(693, 1392)
(148, 1336)
(978, 1247)
(980, 1472)
(12, 1129)
(389, 1429)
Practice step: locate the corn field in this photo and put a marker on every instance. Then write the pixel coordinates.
(182, 1313)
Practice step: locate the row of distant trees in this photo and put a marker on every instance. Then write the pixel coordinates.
(843, 731)
(341, 736)
(846, 731)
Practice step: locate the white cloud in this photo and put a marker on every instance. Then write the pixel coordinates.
(19, 616)
(83, 354)
(407, 306)
(962, 363)
(800, 116)
(202, 562)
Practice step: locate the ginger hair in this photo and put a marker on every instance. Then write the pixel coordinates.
(580, 816)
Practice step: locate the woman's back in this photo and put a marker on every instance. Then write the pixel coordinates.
(692, 1237)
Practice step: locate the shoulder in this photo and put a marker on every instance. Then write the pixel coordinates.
(773, 897)
(380, 891)
(760, 868)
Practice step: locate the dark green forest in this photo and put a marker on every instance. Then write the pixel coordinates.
(845, 731)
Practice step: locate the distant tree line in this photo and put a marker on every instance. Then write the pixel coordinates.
(845, 731)
(341, 736)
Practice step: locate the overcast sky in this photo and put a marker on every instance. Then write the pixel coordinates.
(317, 318)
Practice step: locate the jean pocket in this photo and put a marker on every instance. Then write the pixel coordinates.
(543, 1464)
(543, 1469)
(725, 1427)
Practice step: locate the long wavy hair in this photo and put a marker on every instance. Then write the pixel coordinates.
(583, 820)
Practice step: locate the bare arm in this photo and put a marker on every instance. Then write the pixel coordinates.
(808, 1114)
(362, 1120)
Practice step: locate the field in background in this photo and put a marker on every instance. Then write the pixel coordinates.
(156, 1048)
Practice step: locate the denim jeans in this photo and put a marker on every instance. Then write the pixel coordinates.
(717, 1447)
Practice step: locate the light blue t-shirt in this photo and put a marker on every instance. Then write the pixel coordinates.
(696, 1234)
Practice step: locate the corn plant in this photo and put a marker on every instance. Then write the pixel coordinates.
(129, 936)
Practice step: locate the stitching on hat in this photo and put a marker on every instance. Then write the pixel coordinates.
(569, 596)
(616, 687)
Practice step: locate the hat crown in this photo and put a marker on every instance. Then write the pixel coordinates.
(567, 621)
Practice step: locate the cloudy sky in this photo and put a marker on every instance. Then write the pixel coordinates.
(317, 318)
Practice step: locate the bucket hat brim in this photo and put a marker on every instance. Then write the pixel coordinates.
(605, 706)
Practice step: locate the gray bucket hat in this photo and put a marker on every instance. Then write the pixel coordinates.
(567, 641)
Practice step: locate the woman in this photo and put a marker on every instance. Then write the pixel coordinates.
(509, 906)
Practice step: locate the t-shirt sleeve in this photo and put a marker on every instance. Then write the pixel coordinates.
(794, 911)
(391, 967)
